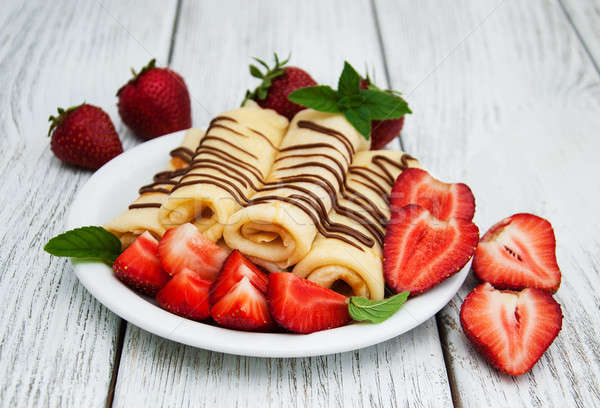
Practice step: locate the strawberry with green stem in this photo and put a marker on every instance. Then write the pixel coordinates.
(84, 135)
(277, 83)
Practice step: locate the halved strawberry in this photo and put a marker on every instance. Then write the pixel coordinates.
(519, 252)
(186, 295)
(139, 268)
(443, 200)
(185, 247)
(420, 251)
(511, 329)
(243, 307)
(302, 306)
(237, 266)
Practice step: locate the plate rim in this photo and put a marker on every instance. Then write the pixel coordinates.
(99, 280)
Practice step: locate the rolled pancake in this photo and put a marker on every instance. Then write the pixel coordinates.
(142, 214)
(229, 165)
(358, 267)
(282, 220)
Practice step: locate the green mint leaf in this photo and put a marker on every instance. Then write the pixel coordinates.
(86, 243)
(255, 72)
(320, 98)
(349, 82)
(375, 311)
(384, 105)
(360, 118)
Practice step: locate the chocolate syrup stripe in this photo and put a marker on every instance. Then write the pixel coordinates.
(293, 200)
(360, 169)
(264, 137)
(307, 146)
(164, 178)
(183, 153)
(220, 139)
(339, 165)
(187, 155)
(223, 155)
(340, 178)
(303, 124)
(324, 225)
(221, 168)
(374, 186)
(400, 166)
(144, 205)
(376, 215)
(320, 208)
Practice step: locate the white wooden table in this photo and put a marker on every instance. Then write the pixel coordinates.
(506, 96)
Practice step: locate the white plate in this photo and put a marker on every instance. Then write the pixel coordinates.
(108, 192)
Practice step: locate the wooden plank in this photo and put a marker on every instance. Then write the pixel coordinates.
(584, 16)
(506, 99)
(213, 47)
(57, 342)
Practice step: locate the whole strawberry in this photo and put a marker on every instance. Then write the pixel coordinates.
(277, 83)
(84, 135)
(382, 131)
(155, 102)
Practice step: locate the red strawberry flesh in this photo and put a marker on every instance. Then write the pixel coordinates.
(511, 329)
(420, 251)
(139, 267)
(243, 307)
(519, 252)
(186, 295)
(302, 306)
(442, 200)
(235, 268)
(184, 247)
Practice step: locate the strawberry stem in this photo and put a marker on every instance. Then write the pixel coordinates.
(55, 121)
(150, 66)
(261, 91)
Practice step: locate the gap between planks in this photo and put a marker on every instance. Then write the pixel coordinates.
(123, 323)
(579, 36)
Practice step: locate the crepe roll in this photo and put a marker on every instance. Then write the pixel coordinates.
(142, 214)
(352, 267)
(229, 166)
(282, 220)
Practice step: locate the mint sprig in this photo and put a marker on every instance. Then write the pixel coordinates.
(359, 106)
(375, 311)
(261, 91)
(93, 243)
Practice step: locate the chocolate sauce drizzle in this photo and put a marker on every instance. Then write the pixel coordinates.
(238, 172)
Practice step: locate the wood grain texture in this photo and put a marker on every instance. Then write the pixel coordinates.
(213, 47)
(506, 99)
(585, 18)
(57, 343)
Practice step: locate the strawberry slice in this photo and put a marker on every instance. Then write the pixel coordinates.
(443, 200)
(511, 329)
(139, 267)
(243, 307)
(185, 247)
(186, 295)
(237, 266)
(420, 251)
(519, 252)
(302, 306)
